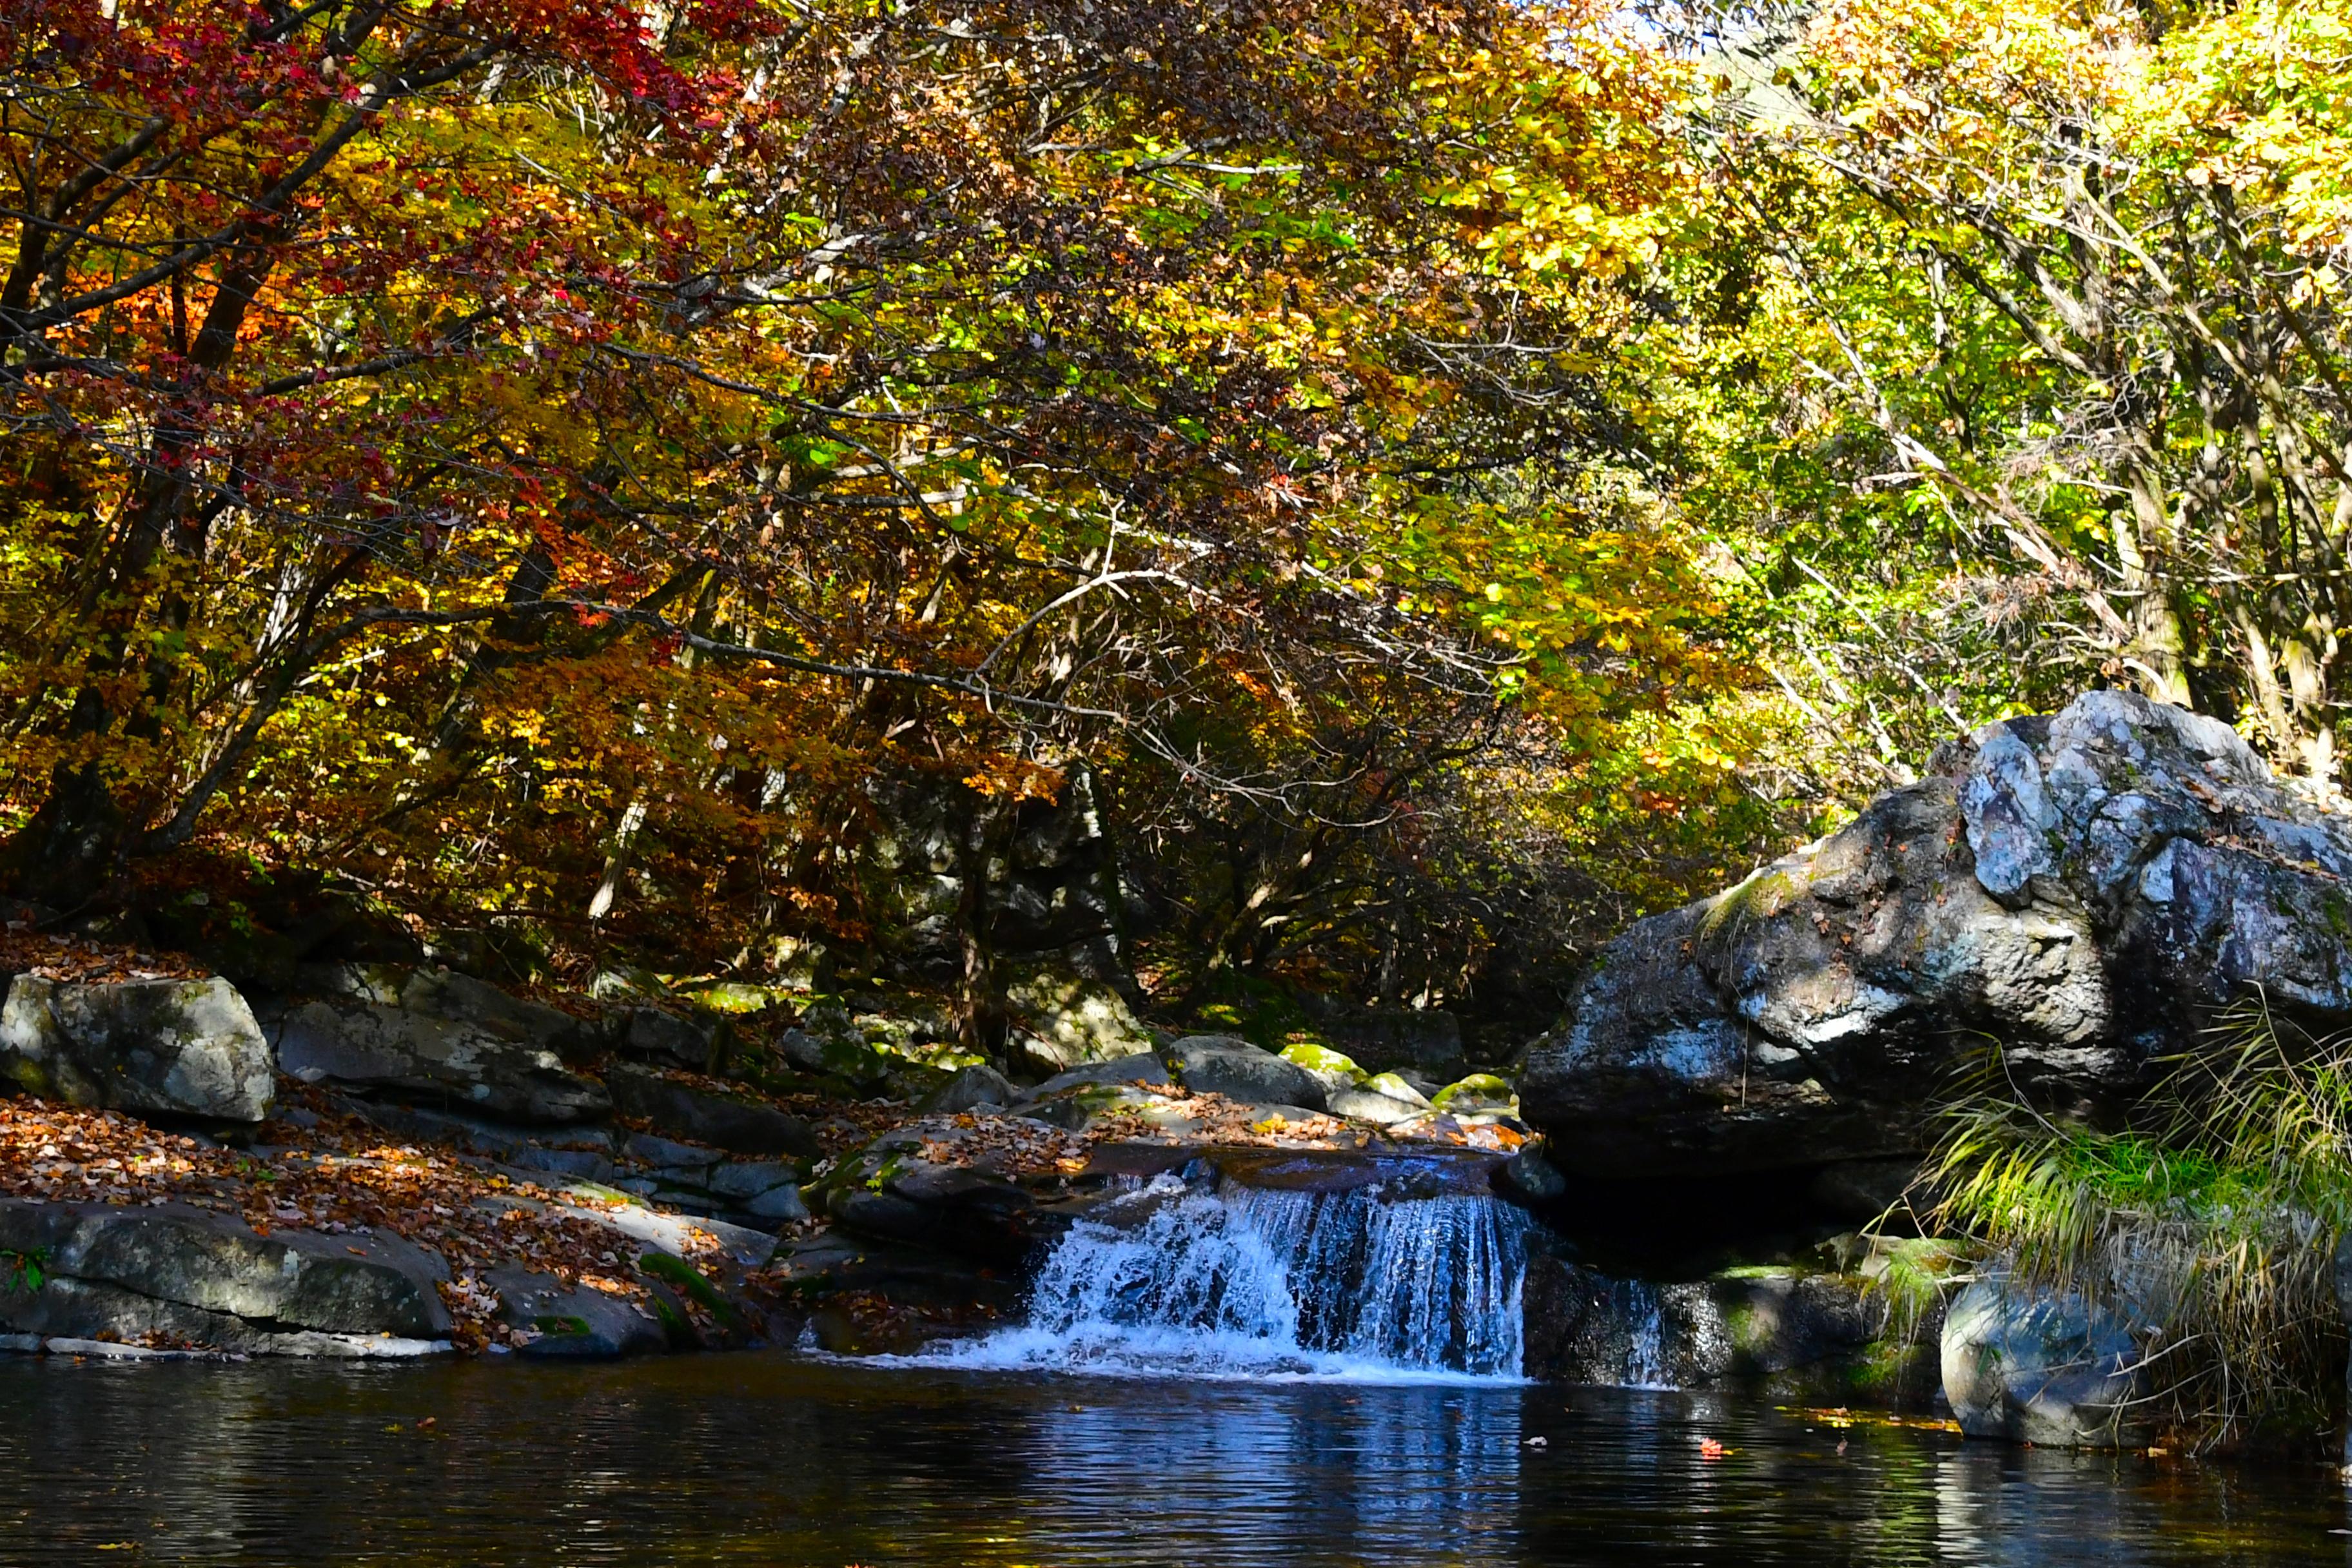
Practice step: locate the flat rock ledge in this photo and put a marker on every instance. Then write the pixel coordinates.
(73, 1275)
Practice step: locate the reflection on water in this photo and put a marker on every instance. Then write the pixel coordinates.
(772, 1460)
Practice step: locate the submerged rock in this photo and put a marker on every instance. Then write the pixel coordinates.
(2086, 889)
(2031, 1366)
(186, 1048)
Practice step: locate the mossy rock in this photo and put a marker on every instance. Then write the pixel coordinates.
(1321, 1060)
(1395, 1087)
(732, 997)
(1479, 1091)
(680, 1275)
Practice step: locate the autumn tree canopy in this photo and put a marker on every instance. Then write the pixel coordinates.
(1446, 477)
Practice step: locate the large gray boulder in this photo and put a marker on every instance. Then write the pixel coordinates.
(2086, 889)
(2031, 1366)
(1230, 1066)
(193, 1274)
(448, 1039)
(186, 1048)
(1062, 1019)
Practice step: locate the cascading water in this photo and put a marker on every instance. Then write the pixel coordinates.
(1639, 1308)
(1258, 1282)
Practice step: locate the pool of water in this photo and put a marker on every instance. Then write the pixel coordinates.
(775, 1459)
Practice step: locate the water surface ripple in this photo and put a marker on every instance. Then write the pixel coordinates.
(771, 1458)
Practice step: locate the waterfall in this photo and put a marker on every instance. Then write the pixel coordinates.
(1639, 1308)
(1250, 1281)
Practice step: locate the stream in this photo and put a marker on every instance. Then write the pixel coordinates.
(775, 1458)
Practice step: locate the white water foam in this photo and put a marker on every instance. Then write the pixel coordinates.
(1264, 1284)
(1638, 1307)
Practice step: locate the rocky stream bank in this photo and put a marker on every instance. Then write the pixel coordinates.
(379, 1159)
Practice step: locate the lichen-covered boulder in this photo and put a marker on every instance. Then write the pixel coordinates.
(446, 1039)
(1063, 1019)
(2030, 1366)
(2084, 889)
(186, 1048)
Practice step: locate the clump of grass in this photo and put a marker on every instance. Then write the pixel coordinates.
(2210, 1220)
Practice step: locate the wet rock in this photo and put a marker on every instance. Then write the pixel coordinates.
(739, 1126)
(1421, 1173)
(572, 1322)
(71, 1317)
(1803, 1335)
(2030, 1367)
(199, 1275)
(186, 1048)
(2087, 889)
(1528, 1175)
(448, 1039)
(902, 1188)
(1230, 1066)
(969, 1087)
(944, 1291)
(955, 1208)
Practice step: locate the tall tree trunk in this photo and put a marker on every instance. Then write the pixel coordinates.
(79, 841)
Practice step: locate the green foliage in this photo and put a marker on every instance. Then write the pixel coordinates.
(23, 1271)
(2213, 1220)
